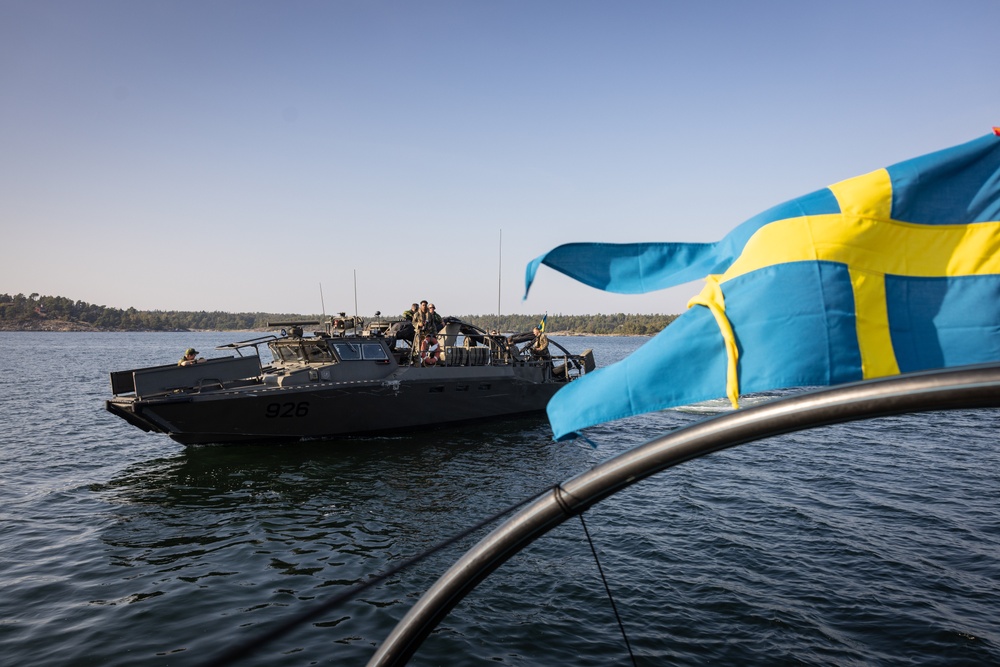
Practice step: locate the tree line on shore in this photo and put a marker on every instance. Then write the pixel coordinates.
(35, 312)
(618, 324)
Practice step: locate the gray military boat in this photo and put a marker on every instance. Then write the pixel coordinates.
(349, 378)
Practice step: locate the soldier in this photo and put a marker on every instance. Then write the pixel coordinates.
(422, 320)
(422, 327)
(190, 357)
(540, 346)
(436, 320)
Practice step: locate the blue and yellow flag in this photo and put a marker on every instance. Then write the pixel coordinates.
(541, 323)
(891, 272)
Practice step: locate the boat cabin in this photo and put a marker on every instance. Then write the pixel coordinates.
(325, 350)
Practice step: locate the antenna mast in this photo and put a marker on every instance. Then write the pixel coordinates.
(499, 276)
(355, 295)
(322, 303)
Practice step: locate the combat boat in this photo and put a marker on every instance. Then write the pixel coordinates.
(349, 378)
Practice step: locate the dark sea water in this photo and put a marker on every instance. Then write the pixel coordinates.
(874, 543)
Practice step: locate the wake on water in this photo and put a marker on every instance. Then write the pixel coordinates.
(718, 406)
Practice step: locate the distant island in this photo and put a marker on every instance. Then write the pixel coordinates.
(57, 313)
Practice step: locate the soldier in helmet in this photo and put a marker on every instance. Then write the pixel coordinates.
(190, 357)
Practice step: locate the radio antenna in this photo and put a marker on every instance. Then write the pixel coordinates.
(355, 295)
(322, 303)
(499, 277)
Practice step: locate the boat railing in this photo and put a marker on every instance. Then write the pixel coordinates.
(251, 342)
(572, 366)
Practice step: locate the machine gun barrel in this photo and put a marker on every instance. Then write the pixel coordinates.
(290, 323)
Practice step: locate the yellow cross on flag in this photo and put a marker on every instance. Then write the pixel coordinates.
(894, 271)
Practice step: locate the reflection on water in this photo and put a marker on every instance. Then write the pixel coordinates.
(295, 523)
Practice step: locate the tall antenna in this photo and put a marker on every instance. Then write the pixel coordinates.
(322, 303)
(499, 276)
(355, 295)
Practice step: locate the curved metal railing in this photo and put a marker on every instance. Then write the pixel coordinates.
(966, 387)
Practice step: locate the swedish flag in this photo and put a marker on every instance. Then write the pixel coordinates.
(891, 272)
(541, 323)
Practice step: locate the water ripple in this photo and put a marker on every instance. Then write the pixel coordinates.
(860, 544)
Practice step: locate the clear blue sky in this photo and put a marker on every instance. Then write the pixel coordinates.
(234, 155)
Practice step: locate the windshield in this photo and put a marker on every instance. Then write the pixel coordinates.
(301, 351)
(360, 351)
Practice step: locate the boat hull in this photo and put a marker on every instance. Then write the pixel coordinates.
(419, 399)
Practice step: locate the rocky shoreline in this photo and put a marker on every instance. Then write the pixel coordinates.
(61, 325)
(46, 325)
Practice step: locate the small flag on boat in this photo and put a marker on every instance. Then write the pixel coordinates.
(541, 324)
(890, 272)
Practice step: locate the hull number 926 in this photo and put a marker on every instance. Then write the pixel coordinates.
(287, 410)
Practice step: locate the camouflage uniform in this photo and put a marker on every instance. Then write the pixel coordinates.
(540, 348)
(423, 321)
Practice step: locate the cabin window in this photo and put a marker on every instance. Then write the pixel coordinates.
(348, 351)
(301, 352)
(287, 352)
(358, 351)
(319, 353)
(373, 352)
